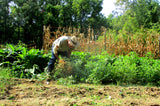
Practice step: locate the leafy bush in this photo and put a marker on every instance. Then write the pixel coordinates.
(105, 69)
(123, 69)
(148, 71)
(97, 66)
(10, 52)
(23, 62)
(63, 68)
(73, 66)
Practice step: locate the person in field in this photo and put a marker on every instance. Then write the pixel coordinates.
(62, 46)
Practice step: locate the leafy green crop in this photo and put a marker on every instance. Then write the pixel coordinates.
(83, 67)
(129, 69)
(21, 60)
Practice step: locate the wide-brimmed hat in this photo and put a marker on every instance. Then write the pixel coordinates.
(73, 41)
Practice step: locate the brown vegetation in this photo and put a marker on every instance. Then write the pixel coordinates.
(29, 93)
(114, 43)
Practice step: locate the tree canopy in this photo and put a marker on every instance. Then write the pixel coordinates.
(24, 19)
(136, 14)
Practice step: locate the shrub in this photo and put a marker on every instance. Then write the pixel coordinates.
(20, 60)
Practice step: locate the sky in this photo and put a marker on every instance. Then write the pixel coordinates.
(108, 7)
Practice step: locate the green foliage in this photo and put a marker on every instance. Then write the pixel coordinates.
(5, 80)
(23, 62)
(88, 12)
(24, 19)
(97, 68)
(83, 67)
(67, 81)
(63, 68)
(148, 71)
(124, 69)
(79, 60)
(105, 69)
(129, 69)
(136, 14)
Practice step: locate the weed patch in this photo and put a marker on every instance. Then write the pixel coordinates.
(83, 67)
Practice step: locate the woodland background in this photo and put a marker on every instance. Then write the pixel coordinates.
(24, 19)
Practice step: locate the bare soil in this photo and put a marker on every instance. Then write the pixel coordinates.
(34, 93)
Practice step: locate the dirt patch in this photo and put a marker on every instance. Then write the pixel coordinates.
(28, 93)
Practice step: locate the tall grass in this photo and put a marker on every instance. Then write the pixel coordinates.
(86, 39)
(119, 43)
(141, 42)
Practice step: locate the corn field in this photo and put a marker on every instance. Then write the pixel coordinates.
(98, 41)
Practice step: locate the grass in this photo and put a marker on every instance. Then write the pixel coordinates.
(5, 80)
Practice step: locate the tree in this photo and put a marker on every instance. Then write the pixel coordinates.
(51, 12)
(96, 20)
(87, 12)
(5, 21)
(66, 14)
(28, 18)
(145, 12)
(24, 19)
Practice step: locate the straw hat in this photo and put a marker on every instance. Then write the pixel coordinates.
(73, 41)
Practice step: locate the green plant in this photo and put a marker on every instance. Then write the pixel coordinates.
(99, 68)
(66, 81)
(20, 59)
(5, 79)
(83, 67)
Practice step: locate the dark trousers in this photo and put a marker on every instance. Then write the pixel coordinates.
(53, 59)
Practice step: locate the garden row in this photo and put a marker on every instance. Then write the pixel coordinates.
(82, 67)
